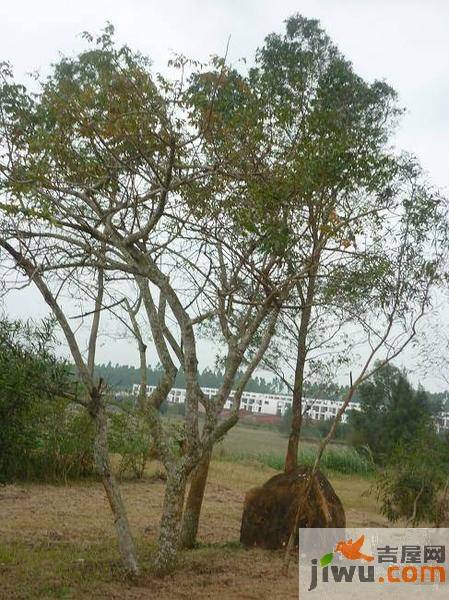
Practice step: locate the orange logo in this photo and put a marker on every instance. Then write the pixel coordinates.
(351, 550)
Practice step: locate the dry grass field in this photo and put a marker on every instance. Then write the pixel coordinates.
(58, 541)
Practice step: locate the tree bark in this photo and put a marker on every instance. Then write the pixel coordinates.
(198, 482)
(103, 465)
(170, 528)
(291, 458)
(94, 402)
(194, 502)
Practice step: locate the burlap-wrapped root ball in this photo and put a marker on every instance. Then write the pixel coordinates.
(270, 510)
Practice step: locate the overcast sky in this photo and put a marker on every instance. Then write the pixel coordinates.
(405, 42)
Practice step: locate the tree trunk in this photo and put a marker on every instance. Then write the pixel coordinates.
(169, 532)
(194, 502)
(291, 458)
(125, 540)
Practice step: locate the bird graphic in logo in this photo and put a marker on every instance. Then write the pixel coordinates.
(349, 549)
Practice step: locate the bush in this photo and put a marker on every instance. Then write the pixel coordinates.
(130, 437)
(43, 436)
(65, 444)
(414, 484)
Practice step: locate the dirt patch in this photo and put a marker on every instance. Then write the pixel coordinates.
(13, 492)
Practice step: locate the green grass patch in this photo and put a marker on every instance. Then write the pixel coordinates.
(338, 460)
(245, 445)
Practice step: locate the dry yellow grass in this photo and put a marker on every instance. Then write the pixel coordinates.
(58, 541)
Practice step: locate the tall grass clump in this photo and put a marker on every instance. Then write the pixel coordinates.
(342, 460)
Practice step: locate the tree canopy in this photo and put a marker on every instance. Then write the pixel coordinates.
(392, 413)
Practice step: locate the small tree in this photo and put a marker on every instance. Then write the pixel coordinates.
(414, 484)
(392, 413)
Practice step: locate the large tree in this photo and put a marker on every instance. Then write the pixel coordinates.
(306, 143)
(103, 178)
(312, 138)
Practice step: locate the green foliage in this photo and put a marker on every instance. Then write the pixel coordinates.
(414, 484)
(392, 413)
(129, 436)
(42, 435)
(300, 130)
(396, 424)
(65, 448)
(344, 461)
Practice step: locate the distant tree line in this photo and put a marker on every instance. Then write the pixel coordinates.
(122, 377)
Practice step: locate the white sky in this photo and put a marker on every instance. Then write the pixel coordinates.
(405, 42)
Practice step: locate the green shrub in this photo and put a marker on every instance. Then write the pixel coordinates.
(414, 484)
(42, 435)
(67, 439)
(129, 436)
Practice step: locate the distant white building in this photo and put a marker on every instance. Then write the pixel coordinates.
(442, 421)
(276, 404)
(267, 404)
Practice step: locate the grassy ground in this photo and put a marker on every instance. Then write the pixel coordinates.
(268, 447)
(58, 541)
(252, 440)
